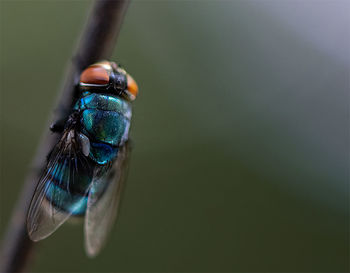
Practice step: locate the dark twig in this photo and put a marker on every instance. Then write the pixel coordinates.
(97, 42)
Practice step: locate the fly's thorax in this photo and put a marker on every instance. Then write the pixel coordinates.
(105, 102)
(105, 120)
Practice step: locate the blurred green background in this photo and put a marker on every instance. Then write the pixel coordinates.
(241, 133)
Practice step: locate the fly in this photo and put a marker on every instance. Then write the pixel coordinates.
(86, 169)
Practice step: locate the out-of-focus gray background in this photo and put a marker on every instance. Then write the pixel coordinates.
(241, 132)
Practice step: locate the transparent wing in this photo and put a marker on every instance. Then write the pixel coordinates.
(61, 190)
(103, 201)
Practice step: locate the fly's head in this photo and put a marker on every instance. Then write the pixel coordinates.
(108, 77)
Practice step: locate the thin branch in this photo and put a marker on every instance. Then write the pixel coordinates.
(97, 42)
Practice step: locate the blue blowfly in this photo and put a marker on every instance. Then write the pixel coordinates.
(86, 169)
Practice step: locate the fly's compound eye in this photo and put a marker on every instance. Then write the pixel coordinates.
(96, 75)
(132, 89)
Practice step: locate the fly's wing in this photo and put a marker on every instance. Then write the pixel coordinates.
(57, 195)
(103, 201)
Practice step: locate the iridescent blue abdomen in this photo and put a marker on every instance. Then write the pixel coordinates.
(67, 190)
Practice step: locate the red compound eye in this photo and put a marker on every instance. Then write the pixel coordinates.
(132, 86)
(95, 74)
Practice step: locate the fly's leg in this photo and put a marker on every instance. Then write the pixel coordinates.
(58, 126)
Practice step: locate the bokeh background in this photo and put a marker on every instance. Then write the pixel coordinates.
(241, 133)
